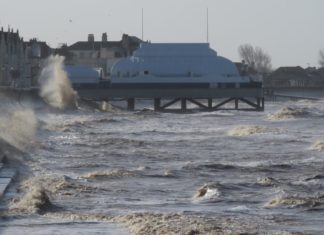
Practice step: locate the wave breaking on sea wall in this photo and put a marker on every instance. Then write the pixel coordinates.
(55, 85)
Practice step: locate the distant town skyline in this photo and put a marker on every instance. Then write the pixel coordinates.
(291, 31)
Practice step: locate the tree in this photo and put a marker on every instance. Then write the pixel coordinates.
(256, 58)
(321, 58)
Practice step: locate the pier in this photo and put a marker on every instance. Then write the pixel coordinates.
(205, 99)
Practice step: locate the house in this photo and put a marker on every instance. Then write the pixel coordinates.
(295, 77)
(102, 53)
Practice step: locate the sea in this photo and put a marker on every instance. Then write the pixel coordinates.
(111, 171)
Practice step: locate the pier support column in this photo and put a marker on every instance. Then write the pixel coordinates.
(157, 104)
(183, 104)
(131, 104)
(262, 104)
(236, 103)
(210, 103)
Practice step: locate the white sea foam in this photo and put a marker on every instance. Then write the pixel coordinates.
(249, 130)
(206, 193)
(34, 200)
(318, 145)
(290, 113)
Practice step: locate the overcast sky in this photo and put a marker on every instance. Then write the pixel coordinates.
(291, 31)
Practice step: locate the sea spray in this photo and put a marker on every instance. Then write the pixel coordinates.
(18, 127)
(55, 86)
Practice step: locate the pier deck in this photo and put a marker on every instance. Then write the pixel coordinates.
(216, 98)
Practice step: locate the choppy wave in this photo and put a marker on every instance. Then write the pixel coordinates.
(266, 181)
(249, 130)
(67, 215)
(175, 223)
(119, 173)
(35, 200)
(172, 223)
(69, 124)
(38, 190)
(318, 145)
(212, 166)
(207, 192)
(294, 201)
(291, 113)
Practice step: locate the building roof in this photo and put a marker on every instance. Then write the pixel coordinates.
(14, 36)
(174, 49)
(82, 73)
(44, 48)
(87, 46)
(126, 42)
(295, 73)
(176, 60)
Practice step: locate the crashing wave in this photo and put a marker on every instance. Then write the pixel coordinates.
(266, 181)
(35, 200)
(207, 192)
(290, 113)
(249, 130)
(294, 201)
(56, 88)
(318, 145)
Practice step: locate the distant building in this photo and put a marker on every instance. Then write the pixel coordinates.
(295, 77)
(176, 65)
(102, 53)
(20, 61)
(35, 53)
(11, 57)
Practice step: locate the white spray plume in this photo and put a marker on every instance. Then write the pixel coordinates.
(18, 127)
(55, 86)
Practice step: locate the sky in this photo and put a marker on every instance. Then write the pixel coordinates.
(291, 31)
